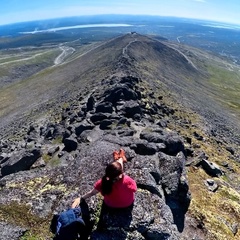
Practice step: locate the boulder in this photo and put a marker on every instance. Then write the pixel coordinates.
(90, 104)
(20, 161)
(126, 132)
(174, 144)
(104, 107)
(154, 137)
(145, 180)
(144, 148)
(98, 117)
(211, 168)
(53, 150)
(211, 185)
(175, 185)
(118, 93)
(171, 169)
(147, 162)
(230, 149)
(83, 126)
(143, 219)
(131, 108)
(106, 124)
(70, 144)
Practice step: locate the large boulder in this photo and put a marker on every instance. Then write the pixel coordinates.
(83, 126)
(70, 144)
(175, 185)
(118, 93)
(105, 107)
(20, 161)
(150, 218)
(173, 175)
(90, 103)
(98, 117)
(131, 108)
(211, 168)
(173, 142)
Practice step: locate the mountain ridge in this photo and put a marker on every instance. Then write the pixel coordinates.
(129, 94)
(54, 77)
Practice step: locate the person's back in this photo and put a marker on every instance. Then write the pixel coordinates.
(122, 193)
(117, 188)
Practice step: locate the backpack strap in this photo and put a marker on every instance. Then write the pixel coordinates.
(54, 223)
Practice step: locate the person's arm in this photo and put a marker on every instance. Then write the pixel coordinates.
(77, 201)
(91, 193)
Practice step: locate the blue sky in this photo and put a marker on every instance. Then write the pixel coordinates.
(11, 11)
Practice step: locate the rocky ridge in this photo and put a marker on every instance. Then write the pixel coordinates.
(59, 158)
(89, 133)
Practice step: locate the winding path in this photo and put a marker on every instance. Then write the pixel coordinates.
(66, 51)
(24, 59)
(124, 51)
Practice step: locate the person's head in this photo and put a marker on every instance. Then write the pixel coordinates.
(113, 173)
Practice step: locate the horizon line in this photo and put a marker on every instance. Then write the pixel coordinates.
(112, 14)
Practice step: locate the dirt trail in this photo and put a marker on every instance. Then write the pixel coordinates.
(124, 51)
(66, 51)
(25, 59)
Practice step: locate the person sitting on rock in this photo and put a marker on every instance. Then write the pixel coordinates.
(116, 187)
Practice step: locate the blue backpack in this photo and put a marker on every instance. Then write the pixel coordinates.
(68, 224)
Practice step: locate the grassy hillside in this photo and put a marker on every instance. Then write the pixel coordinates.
(213, 95)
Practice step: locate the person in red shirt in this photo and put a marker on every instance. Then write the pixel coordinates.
(116, 187)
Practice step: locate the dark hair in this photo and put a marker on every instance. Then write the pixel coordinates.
(113, 170)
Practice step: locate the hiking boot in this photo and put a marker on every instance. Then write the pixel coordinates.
(116, 155)
(122, 155)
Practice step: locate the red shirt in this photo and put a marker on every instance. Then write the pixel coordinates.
(122, 194)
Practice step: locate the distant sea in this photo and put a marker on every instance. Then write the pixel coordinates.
(223, 26)
(76, 26)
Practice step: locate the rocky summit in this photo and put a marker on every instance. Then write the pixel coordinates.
(57, 153)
